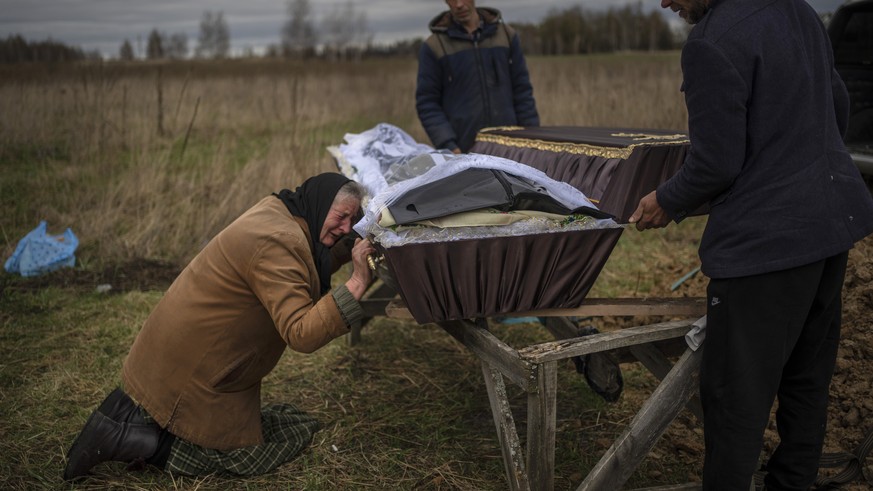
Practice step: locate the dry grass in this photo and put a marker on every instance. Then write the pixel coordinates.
(139, 179)
(632, 90)
(152, 160)
(405, 409)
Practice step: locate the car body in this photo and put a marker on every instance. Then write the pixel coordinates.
(851, 33)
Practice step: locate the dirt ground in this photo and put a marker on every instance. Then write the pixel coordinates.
(850, 416)
(136, 274)
(851, 410)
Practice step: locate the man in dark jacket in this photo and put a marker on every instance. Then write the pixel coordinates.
(766, 115)
(471, 75)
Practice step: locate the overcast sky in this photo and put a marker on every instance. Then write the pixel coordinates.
(103, 25)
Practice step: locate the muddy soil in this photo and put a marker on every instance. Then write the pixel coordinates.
(136, 274)
(850, 414)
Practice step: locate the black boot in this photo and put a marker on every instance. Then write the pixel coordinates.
(119, 407)
(104, 440)
(601, 370)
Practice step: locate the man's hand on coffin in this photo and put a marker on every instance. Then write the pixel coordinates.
(649, 213)
(362, 276)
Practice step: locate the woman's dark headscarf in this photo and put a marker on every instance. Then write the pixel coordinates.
(311, 201)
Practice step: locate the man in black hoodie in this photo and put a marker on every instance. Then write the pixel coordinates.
(766, 116)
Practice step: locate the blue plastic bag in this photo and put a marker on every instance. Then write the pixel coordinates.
(39, 253)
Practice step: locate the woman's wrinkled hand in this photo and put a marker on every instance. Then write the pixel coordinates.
(362, 276)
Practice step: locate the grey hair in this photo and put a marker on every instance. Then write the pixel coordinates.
(349, 190)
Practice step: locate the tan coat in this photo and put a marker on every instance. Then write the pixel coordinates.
(196, 366)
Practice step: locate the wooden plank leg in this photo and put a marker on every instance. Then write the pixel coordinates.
(499, 355)
(652, 358)
(629, 449)
(692, 486)
(374, 301)
(541, 409)
(561, 327)
(506, 432)
(354, 336)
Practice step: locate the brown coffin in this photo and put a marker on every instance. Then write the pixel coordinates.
(614, 167)
(503, 275)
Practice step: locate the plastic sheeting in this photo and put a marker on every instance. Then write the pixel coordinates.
(448, 165)
(373, 158)
(38, 252)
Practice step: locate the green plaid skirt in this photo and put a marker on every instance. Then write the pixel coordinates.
(287, 431)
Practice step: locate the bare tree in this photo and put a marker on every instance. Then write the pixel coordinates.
(298, 34)
(177, 46)
(125, 53)
(155, 46)
(336, 32)
(272, 51)
(222, 41)
(214, 40)
(346, 29)
(363, 35)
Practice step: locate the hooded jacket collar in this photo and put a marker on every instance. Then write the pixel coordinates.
(444, 23)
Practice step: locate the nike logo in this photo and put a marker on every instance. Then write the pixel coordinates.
(715, 301)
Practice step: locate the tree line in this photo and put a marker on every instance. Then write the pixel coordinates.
(563, 32)
(576, 31)
(213, 42)
(15, 49)
(344, 33)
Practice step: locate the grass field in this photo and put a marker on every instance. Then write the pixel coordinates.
(147, 162)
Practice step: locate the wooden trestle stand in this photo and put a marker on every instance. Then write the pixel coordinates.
(614, 167)
(534, 369)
